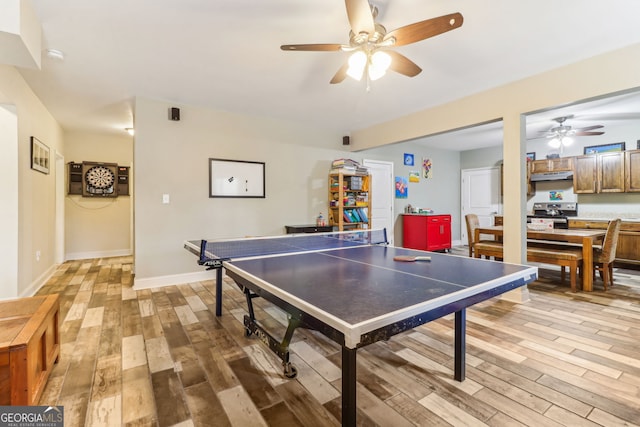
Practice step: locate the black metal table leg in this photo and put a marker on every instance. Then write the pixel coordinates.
(348, 386)
(460, 339)
(219, 292)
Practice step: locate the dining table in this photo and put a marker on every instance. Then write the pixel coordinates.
(572, 236)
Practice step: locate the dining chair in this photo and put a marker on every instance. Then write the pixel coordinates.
(472, 223)
(603, 257)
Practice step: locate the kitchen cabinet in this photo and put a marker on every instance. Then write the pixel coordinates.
(559, 164)
(632, 171)
(426, 232)
(628, 249)
(599, 173)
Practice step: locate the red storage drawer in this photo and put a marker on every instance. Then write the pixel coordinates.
(426, 232)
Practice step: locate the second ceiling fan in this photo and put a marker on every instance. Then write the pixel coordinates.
(561, 134)
(371, 43)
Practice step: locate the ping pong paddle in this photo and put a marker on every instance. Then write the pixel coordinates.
(409, 258)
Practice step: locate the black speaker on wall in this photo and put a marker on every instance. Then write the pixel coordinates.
(345, 140)
(174, 114)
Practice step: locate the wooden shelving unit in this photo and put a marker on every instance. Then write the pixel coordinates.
(349, 199)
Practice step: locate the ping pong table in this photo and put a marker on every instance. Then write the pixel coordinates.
(347, 286)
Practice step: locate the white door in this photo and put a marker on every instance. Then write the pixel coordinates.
(382, 193)
(481, 196)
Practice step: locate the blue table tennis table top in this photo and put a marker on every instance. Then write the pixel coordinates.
(356, 286)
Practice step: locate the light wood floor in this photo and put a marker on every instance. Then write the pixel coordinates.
(160, 358)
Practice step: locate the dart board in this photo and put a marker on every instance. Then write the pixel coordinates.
(99, 179)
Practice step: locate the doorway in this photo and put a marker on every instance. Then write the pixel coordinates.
(480, 195)
(382, 195)
(59, 222)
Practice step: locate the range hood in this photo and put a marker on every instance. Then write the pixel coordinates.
(552, 176)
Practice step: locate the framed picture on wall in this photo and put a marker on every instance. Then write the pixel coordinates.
(531, 157)
(40, 156)
(618, 146)
(236, 178)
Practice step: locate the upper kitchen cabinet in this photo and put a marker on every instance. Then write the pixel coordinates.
(632, 171)
(559, 164)
(599, 173)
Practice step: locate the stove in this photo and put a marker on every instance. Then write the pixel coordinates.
(559, 212)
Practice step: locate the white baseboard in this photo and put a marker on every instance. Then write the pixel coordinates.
(98, 254)
(173, 279)
(37, 284)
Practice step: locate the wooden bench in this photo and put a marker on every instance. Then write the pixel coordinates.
(29, 346)
(562, 256)
(488, 250)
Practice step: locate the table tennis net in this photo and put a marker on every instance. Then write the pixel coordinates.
(257, 246)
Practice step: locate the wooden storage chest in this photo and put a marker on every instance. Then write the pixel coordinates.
(29, 346)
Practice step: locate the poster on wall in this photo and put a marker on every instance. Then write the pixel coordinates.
(401, 188)
(408, 159)
(426, 168)
(414, 176)
(555, 195)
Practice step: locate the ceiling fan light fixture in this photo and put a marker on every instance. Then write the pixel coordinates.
(357, 64)
(566, 141)
(379, 64)
(554, 143)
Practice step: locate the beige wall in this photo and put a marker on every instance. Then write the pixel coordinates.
(608, 73)
(172, 158)
(97, 227)
(36, 191)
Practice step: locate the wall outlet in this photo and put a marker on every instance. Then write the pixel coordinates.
(37, 255)
(165, 199)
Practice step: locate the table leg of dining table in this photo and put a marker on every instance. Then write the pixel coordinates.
(587, 264)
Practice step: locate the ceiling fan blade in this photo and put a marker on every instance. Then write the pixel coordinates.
(312, 47)
(340, 75)
(360, 16)
(403, 65)
(589, 128)
(424, 29)
(588, 133)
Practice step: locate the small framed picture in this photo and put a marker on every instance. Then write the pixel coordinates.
(618, 146)
(531, 157)
(408, 159)
(40, 156)
(638, 142)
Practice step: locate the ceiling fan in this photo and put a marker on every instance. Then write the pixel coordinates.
(561, 135)
(370, 43)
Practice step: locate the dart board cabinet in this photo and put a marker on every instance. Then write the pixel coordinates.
(98, 179)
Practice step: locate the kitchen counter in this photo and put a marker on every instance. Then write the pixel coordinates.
(585, 218)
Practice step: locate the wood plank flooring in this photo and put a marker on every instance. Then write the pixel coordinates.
(161, 358)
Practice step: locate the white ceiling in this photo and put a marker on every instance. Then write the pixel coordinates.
(225, 55)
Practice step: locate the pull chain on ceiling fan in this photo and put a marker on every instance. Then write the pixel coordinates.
(371, 43)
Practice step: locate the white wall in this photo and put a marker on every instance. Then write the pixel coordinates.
(36, 191)
(171, 157)
(9, 201)
(97, 227)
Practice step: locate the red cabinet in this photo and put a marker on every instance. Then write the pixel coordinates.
(426, 232)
